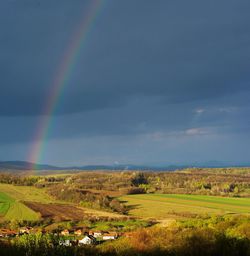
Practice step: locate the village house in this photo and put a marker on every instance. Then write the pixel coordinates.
(110, 236)
(89, 239)
(8, 233)
(96, 234)
(78, 232)
(25, 230)
(3, 232)
(65, 232)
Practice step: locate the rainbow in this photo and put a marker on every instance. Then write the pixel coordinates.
(61, 80)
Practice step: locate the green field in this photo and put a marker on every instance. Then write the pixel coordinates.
(165, 205)
(11, 197)
(13, 209)
(5, 203)
(27, 193)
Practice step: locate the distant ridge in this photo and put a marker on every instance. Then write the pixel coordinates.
(20, 166)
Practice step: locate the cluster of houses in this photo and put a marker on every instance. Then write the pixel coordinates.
(90, 237)
(67, 237)
(7, 233)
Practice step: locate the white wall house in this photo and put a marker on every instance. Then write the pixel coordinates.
(112, 236)
(97, 234)
(87, 240)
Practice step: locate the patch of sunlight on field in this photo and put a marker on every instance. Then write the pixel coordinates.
(19, 211)
(12, 209)
(5, 202)
(163, 205)
(4, 207)
(32, 194)
(26, 193)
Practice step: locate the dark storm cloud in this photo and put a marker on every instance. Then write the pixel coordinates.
(140, 116)
(153, 80)
(181, 51)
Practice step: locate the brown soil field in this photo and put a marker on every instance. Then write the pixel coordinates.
(58, 212)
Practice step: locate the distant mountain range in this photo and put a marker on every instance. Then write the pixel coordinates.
(20, 166)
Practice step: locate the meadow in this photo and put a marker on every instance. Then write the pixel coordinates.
(12, 209)
(5, 202)
(31, 203)
(168, 205)
(27, 193)
(112, 194)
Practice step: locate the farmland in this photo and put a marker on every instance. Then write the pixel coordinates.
(12, 209)
(159, 195)
(27, 193)
(31, 203)
(5, 202)
(59, 212)
(148, 209)
(167, 205)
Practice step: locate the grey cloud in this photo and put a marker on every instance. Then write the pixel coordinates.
(180, 51)
(158, 77)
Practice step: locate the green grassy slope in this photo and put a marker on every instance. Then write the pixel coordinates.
(12, 209)
(33, 194)
(27, 193)
(5, 202)
(163, 205)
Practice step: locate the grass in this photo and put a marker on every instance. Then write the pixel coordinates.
(19, 211)
(12, 197)
(5, 202)
(33, 194)
(12, 209)
(27, 193)
(165, 205)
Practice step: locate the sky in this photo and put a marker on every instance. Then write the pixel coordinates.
(157, 82)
